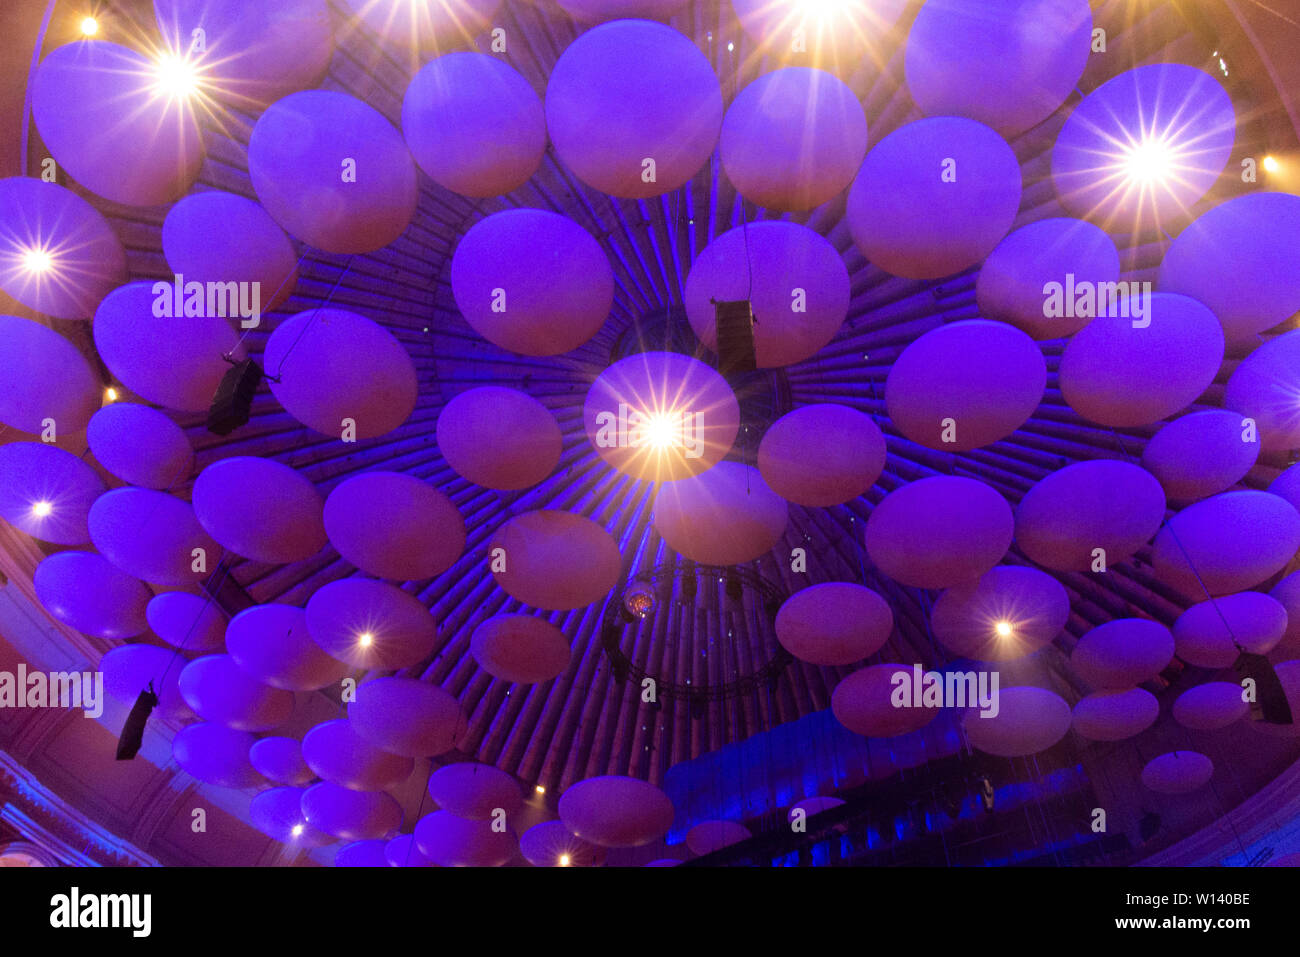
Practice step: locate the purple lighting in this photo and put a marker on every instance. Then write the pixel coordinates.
(571, 433)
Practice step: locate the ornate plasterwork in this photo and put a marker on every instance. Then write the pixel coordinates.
(59, 830)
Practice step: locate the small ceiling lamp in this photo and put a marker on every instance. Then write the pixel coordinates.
(639, 599)
(37, 261)
(175, 77)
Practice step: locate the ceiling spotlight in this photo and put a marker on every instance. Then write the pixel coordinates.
(661, 430)
(639, 600)
(110, 394)
(37, 261)
(42, 509)
(365, 639)
(1271, 165)
(539, 789)
(175, 76)
(1003, 628)
(565, 860)
(1149, 161)
(89, 26)
(297, 830)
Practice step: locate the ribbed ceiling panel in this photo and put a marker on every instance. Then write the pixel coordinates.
(584, 722)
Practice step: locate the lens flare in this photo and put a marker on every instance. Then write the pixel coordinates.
(1149, 162)
(660, 431)
(821, 8)
(42, 509)
(37, 261)
(175, 76)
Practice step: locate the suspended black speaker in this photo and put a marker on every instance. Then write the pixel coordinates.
(234, 399)
(128, 745)
(1270, 704)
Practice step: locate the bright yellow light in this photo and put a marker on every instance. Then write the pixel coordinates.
(110, 394)
(661, 431)
(37, 260)
(1003, 628)
(1149, 162)
(175, 76)
(365, 639)
(564, 860)
(821, 8)
(540, 790)
(42, 509)
(89, 26)
(1271, 165)
(297, 830)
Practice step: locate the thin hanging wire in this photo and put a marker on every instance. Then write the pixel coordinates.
(310, 322)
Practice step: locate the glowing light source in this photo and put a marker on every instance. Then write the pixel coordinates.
(37, 260)
(175, 76)
(1003, 628)
(1271, 164)
(539, 789)
(661, 430)
(639, 600)
(110, 394)
(42, 508)
(821, 8)
(565, 860)
(89, 26)
(1149, 161)
(365, 639)
(297, 830)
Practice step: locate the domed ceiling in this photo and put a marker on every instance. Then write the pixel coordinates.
(1018, 398)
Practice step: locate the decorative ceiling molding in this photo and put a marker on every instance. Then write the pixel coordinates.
(1251, 820)
(48, 821)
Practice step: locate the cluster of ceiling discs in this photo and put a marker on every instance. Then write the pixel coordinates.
(635, 109)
